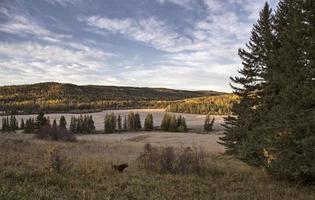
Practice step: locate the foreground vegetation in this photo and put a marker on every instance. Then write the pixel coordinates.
(35, 169)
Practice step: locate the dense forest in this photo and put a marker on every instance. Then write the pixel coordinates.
(275, 123)
(214, 105)
(54, 97)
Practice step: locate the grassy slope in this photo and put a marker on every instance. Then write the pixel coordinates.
(25, 173)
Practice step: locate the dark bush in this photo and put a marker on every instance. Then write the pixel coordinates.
(168, 160)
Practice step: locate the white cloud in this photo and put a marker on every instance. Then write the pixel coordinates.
(151, 31)
(183, 3)
(64, 2)
(35, 61)
(201, 58)
(23, 26)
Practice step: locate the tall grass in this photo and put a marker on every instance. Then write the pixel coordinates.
(41, 169)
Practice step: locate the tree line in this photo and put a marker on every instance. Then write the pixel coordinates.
(273, 124)
(172, 123)
(131, 122)
(214, 105)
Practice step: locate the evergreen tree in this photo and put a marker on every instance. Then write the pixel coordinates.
(22, 126)
(40, 120)
(5, 125)
(48, 123)
(131, 121)
(73, 125)
(119, 123)
(182, 126)
(138, 125)
(13, 123)
(110, 123)
(113, 122)
(148, 122)
(30, 125)
(208, 126)
(289, 144)
(125, 124)
(63, 122)
(91, 126)
(54, 130)
(173, 124)
(165, 124)
(239, 138)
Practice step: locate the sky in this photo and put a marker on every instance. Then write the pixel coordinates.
(180, 44)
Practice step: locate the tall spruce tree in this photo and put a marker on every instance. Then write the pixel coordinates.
(131, 121)
(240, 136)
(290, 140)
(119, 127)
(63, 122)
(138, 125)
(148, 122)
(125, 124)
(40, 120)
(22, 126)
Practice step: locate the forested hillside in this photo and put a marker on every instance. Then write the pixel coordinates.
(214, 105)
(65, 97)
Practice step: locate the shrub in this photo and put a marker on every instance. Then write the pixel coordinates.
(168, 160)
(55, 133)
(53, 161)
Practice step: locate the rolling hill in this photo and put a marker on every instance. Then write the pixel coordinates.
(51, 96)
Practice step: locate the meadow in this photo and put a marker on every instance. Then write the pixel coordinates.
(40, 169)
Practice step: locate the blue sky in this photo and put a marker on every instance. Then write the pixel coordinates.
(183, 44)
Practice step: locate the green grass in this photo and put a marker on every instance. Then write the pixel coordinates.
(27, 172)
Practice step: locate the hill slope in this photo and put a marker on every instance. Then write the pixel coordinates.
(52, 96)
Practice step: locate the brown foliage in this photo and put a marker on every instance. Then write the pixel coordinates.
(173, 161)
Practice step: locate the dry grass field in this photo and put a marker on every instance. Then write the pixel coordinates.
(37, 169)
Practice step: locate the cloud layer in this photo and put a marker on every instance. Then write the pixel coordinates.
(163, 43)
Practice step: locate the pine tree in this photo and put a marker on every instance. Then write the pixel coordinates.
(173, 124)
(131, 121)
(12, 124)
(125, 124)
(110, 123)
(119, 123)
(183, 126)
(22, 126)
(240, 138)
(165, 122)
(30, 125)
(148, 122)
(54, 130)
(40, 120)
(73, 125)
(138, 125)
(290, 142)
(113, 122)
(5, 126)
(62, 122)
(91, 126)
(48, 123)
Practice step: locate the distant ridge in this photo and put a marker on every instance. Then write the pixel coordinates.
(65, 96)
